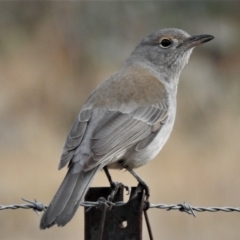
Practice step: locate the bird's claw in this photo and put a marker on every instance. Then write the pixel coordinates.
(115, 187)
(140, 187)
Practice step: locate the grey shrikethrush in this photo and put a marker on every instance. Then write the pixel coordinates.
(126, 120)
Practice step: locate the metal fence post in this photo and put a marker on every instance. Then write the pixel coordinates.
(119, 223)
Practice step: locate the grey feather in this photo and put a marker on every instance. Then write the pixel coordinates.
(111, 123)
(67, 199)
(59, 201)
(65, 158)
(77, 129)
(147, 141)
(120, 131)
(85, 115)
(75, 137)
(72, 143)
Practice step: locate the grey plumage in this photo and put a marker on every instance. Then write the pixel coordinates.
(126, 121)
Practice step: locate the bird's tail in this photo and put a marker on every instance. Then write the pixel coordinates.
(67, 199)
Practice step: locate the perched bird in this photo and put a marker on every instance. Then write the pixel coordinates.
(126, 120)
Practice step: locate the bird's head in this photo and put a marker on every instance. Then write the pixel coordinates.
(168, 49)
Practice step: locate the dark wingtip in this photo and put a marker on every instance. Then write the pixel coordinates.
(44, 226)
(44, 223)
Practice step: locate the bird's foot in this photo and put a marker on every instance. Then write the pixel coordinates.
(115, 187)
(142, 186)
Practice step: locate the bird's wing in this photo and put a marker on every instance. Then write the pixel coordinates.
(118, 131)
(75, 137)
(135, 106)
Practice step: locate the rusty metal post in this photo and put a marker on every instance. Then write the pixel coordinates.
(119, 223)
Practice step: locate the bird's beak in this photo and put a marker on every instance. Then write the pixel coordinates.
(196, 40)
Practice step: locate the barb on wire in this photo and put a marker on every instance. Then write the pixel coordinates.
(182, 207)
(190, 209)
(36, 206)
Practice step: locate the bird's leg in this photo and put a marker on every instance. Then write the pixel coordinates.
(105, 169)
(114, 185)
(141, 184)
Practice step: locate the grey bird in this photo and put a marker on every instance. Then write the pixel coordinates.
(126, 120)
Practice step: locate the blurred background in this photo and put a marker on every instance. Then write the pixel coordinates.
(53, 54)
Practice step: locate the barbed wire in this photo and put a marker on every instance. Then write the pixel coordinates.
(36, 206)
(182, 207)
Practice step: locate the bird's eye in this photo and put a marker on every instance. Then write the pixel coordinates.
(165, 43)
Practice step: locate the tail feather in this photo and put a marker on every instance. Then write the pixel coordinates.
(67, 199)
(76, 197)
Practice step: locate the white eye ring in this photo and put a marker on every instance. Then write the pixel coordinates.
(166, 43)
